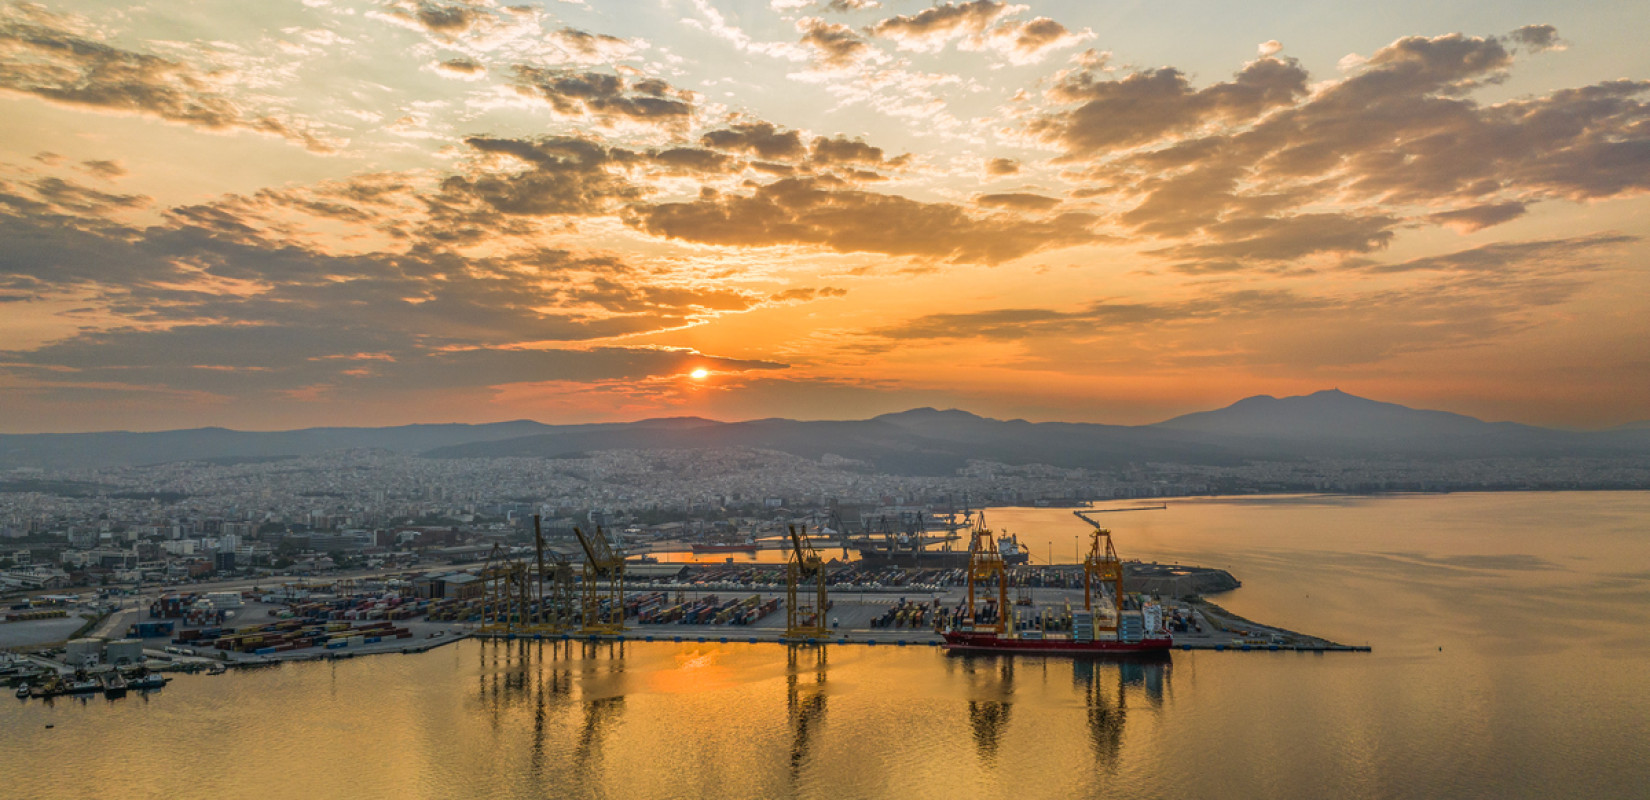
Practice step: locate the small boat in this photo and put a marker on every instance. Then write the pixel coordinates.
(22, 690)
(153, 680)
(114, 685)
(83, 686)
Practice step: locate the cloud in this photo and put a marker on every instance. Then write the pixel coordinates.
(213, 301)
(831, 151)
(803, 294)
(583, 47)
(564, 175)
(1538, 38)
(1287, 238)
(103, 168)
(1467, 299)
(1476, 218)
(1563, 254)
(72, 198)
(1260, 170)
(467, 68)
(999, 167)
(822, 213)
(1017, 201)
(607, 100)
(44, 55)
(1027, 42)
(836, 46)
(1146, 107)
(930, 29)
(762, 139)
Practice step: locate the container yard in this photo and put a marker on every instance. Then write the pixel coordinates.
(807, 600)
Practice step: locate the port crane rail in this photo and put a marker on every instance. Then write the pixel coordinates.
(985, 565)
(804, 565)
(601, 563)
(1100, 567)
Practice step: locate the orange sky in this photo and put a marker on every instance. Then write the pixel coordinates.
(362, 213)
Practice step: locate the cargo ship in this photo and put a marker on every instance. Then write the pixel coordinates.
(1141, 633)
(1105, 625)
(905, 555)
(911, 548)
(747, 546)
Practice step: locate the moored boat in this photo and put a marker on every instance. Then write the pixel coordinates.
(114, 685)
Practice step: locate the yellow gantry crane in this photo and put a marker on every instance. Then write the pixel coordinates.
(1101, 566)
(985, 564)
(804, 565)
(504, 594)
(601, 563)
(555, 602)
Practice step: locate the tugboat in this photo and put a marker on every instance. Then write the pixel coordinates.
(1102, 627)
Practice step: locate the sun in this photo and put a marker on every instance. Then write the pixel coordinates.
(700, 374)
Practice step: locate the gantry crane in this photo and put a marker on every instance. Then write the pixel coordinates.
(504, 598)
(804, 565)
(554, 613)
(985, 563)
(1101, 566)
(601, 563)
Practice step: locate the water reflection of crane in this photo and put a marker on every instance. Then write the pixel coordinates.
(1107, 708)
(555, 687)
(989, 716)
(805, 707)
(601, 714)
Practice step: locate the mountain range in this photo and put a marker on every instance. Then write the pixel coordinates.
(923, 441)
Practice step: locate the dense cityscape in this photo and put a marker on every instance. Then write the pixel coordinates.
(357, 508)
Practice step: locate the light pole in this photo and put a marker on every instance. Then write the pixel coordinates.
(1075, 557)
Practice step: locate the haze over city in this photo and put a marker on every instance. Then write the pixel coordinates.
(292, 214)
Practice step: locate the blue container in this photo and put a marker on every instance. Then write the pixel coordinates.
(264, 651)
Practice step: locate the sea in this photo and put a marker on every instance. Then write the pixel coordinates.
(1511, 659)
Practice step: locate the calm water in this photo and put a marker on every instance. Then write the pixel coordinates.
(1540, 603)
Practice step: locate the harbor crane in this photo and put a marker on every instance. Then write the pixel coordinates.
(804, 565)
(555, 602)
(985, 564)
(504, 593)
(601, 563)
(1100, 567)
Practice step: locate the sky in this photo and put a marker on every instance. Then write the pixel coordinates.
(292, 213)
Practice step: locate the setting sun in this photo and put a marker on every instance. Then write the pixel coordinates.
(700, 374)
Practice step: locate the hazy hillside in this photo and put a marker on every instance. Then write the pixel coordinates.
(125, 448)
(1332, 422)
(922, 441)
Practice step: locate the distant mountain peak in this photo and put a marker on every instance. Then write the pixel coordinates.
(928, 412)
(1326, 414)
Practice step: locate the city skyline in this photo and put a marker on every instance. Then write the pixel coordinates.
(379, 213)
